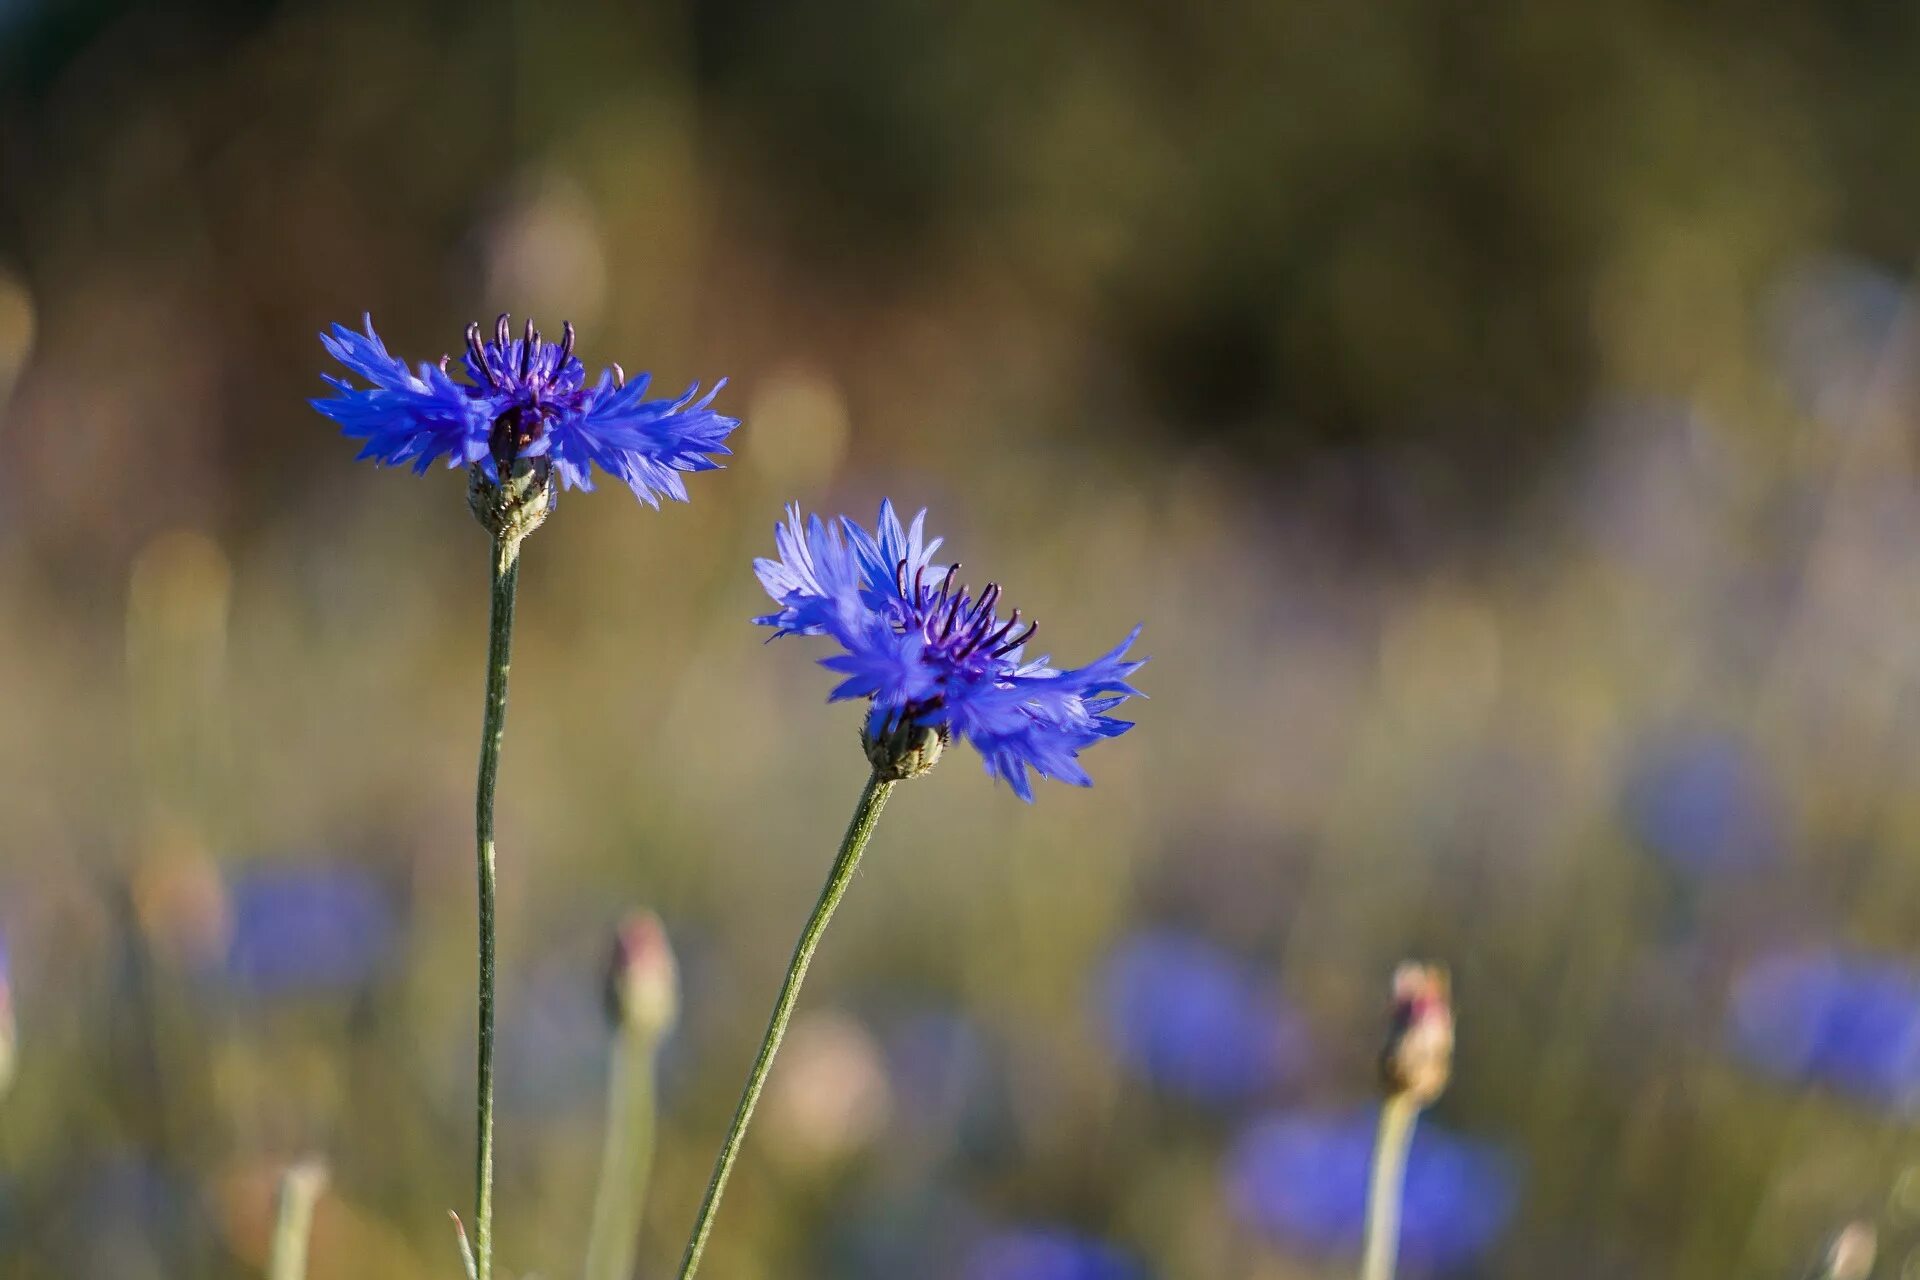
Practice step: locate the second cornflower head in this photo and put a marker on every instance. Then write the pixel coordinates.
(523, 416)
(936, 660)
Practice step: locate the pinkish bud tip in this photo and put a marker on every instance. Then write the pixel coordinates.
(642, 979)
(1418, 1059)
(9, 1041)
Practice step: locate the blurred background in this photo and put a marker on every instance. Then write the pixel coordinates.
(1499, 415)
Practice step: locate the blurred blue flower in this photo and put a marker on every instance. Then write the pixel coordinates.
(1196, 1021)
(1048, 1253)
(1850, 1023)
(913, 1227)
(928, 653)
(553, 1040)
(1705, 802)
(522, 398)
(307, 928)
(1301, 1180)
(121, 1218)
(937, 1064)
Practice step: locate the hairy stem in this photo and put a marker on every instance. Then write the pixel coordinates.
(859, 830)
(506, 575)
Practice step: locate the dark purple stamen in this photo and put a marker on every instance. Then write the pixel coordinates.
(980, 621)
(1033, 629)
(953, 610)
(478, 354)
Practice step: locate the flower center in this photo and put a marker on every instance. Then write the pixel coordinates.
(534, 373)
(957, 624)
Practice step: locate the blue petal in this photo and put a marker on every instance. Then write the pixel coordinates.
(404, 417)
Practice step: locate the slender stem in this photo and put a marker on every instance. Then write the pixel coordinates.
(506, 576)
(626, 1158)
(859, 830)
(1390, 1143)
(300, 1188)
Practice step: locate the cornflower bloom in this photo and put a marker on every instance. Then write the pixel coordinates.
(524, 399)
(1196, 1021)
(307, 928)
(1299, 1179)
(1048, 1253)
(524, 416)
(1706, 803)
(935, 662)
(1843, 1021)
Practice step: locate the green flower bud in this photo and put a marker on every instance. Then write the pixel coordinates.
(906, 750)
(642, 980)
(516, 508)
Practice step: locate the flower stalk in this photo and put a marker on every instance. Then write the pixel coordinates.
(506, 577)
(300, 1189)
(859, 830)
(1398, 1115)
(523, 417)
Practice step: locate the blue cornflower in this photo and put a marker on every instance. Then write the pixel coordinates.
(946, 1078)
(522, 398)
(307, 928)
(934, 658)
(1195, 1021)
(1300, 1179)
(1821, 1017)
(1048, 1253)
(1706, 803)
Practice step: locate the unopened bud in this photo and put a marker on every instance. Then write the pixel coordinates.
(8, 1041)
(1850, 1255)
(1418, 1058)
(904, 750)
(643, 982)
(515, 508)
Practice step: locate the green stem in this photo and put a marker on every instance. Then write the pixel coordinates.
(626, 1158)
(859, 830)
(1390, 1143)
(300, 1188)
(506, 576)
